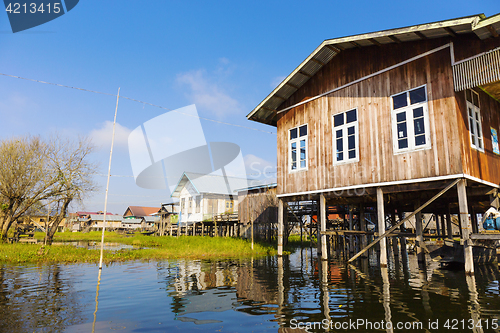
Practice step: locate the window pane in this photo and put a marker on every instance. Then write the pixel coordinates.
(399, 101)
(401, 117)
(403, 143)
(339, 133)
(294, 155)
(350, 130)
(479, 134)
(352, 154)
(475, 99)
(402, 133)
(420, 140)
(340, 145)
(351, 142)
(480, 143)
(340, 156)
(419, 126)
(303, 164)
(468, 96)
(302, 150)
(351, 116)
(338, 120)
(293, 134)
(418, 112)
(471, 126)
(417, 95)
(294, 165)
(303, 130)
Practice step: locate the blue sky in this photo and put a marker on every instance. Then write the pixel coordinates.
(223, 56)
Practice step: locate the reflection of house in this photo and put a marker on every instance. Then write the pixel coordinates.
(203, 196)
(140, 217)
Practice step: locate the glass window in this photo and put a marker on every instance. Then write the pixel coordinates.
(475, 127)
(298, 148)
(345, 141)
(410, 120)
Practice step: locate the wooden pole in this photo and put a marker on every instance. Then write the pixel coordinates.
(322, 204)
(419, 234)
(379, 238)
(362, 225)
(466, 226)
(381, 226)
(280, 227)
(449, 226)
(107, 183)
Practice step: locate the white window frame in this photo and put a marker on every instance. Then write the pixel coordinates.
(474, 122)
(297, 141)
(410, 130)
(345, 142)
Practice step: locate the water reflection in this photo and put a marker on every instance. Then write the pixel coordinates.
(266, 294)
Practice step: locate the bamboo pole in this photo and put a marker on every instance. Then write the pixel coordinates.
(107, 183)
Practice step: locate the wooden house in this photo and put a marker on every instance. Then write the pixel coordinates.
(391, 118)
(140, 217)
(202, 197)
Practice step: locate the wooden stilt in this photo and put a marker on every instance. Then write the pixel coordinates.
(362, 225)
(449, 226)
(322, 204)
(381, 227)
(466, 226)
(280, 227)
(419, 234)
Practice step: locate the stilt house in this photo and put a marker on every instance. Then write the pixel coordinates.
(389, 119)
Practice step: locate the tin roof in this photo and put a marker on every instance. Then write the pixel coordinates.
(213, 184)
(266, 111)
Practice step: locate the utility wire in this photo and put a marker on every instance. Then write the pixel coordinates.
(135, 100)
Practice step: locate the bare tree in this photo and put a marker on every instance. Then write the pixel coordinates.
(52, 173)
(23, 178)
(73, 172)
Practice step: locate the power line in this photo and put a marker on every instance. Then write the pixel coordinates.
(135, 100)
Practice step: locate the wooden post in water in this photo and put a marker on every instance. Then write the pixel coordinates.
(381, 227)
(280, 227)
(362, 225)
(449, 226)
(322, 204)
(419, 234)
(466, 226)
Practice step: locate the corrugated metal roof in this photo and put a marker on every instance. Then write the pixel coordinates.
(213, 184)
(266, 111)
(132, 221)
(99, 217)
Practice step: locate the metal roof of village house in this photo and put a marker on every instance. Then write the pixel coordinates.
(266, 111)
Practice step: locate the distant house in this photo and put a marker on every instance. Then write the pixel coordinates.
(112, 221)
(146, 215)
(203, 196)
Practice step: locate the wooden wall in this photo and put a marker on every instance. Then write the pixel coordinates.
(485, 166)
(371, 97)
(259, 206)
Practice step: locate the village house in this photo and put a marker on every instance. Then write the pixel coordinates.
(390, 119)
(140, 217)
(202, 197)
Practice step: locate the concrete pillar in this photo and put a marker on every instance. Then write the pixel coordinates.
(381, 227)
(420, 234)
(466, 226)
(322, 205)
(280, 228)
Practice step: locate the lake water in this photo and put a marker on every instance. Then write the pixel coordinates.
(266, 294)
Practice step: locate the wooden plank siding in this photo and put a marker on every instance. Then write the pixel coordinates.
(377, 161)
(485, 166)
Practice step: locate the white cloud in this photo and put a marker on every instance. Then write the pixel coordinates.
(102, 135)
(259, 168)
(276, 81)
(208, 95)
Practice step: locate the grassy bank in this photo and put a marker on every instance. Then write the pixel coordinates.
(157, 248)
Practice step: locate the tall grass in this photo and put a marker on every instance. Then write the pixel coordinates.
(148, 248)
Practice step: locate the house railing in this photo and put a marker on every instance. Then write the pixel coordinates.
(476, 71)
